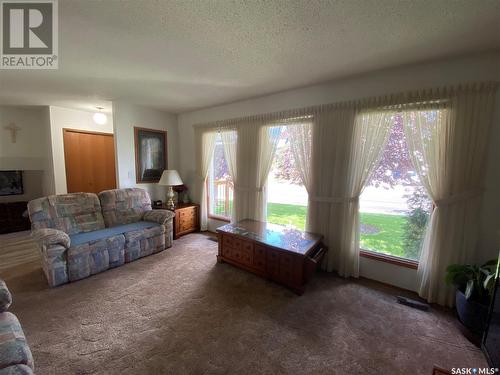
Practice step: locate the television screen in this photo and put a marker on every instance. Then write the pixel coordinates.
(11, 183)
(491, 338)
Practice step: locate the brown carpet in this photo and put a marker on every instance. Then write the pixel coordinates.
(180, 312)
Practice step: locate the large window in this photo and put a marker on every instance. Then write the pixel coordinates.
(394, 206)
(286, 195)
(219, 184)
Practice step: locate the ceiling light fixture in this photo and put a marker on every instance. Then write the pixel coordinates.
(99, 117)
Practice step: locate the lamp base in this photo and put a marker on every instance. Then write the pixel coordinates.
(170, 199)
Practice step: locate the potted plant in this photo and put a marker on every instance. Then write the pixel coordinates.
(475, 286)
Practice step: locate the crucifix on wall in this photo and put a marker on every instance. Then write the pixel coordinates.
(13, 131)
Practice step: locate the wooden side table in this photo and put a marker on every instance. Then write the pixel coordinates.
(186, 220)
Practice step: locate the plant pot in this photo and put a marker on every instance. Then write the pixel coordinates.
(471, 314)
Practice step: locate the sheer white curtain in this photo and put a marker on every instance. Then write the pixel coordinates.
(448, 143)
(300, 135)
(246, 169)
(249, 160)
(333, 135)
(371, 132)
(230, 143)
(268, 141)
(249, 147)
(346, 148)
(204, 148)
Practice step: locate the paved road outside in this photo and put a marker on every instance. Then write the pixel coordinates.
(373, 200)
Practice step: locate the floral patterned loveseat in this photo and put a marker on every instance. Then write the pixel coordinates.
(82, 234)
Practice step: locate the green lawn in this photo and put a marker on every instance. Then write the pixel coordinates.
(383, 233)
(379, 232)
(287, 214)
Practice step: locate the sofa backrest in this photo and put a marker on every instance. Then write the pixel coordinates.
(71, 213)
(124, 206)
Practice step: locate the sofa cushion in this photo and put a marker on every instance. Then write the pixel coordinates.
(14, 349)
(146, 232)
(5, 297)
(124, 206)
(144, 242)
(93, 257)
(16, 370)
(71, 213)
(80, 238)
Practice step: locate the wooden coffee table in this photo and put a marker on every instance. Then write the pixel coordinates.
(287, 256)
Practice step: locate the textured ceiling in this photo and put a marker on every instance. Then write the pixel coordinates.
(183, 55)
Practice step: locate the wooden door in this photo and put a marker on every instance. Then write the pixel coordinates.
(90, 161)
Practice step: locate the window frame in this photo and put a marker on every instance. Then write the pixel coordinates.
(391, 259)
(210, 215)
(207, 196)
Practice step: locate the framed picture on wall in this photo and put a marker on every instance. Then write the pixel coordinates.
(150, 154)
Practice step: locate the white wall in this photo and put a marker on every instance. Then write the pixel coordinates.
(27, 152)
(31, 152)
(65, 118)
(126, 116)
(48, 181)
(473, 68)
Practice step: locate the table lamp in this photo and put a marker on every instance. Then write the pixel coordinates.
(170, 178)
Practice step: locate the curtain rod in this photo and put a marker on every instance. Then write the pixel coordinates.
(433, 95)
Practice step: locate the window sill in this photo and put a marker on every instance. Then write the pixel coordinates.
(220, 218)
(408, 263)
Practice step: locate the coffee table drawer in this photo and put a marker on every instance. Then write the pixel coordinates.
(231, 242)
(227, 252)
(259, 257)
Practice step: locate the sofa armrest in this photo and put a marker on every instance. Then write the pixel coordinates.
(5, 297)
(158, 216)
(47, 237)
(55, 264)
(53, 245)
(14, 349)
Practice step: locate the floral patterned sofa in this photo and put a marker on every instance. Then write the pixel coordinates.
(82, 234)
(15, 354)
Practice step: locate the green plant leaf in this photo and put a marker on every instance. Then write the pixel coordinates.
(449, 278)
(469, 289)
(486, 272)
(492, 262)
(489, 283)
(457, 268)
(476, 282)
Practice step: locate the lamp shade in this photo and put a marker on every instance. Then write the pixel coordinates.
(170, 177)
